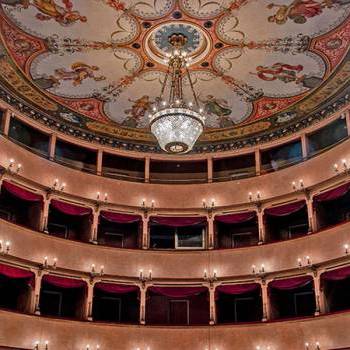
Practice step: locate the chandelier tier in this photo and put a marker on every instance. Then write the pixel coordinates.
(175, 122)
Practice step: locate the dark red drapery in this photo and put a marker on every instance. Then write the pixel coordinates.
(178, 292)
(285, 209)
(120, 218)
(22, 193)
(237, 289)
(236, 218)
(290, 283)
(70, 209)
(64, 282)
(336, 275)
(116, 288)
(17, 273)
(178, 221)
(333, 194)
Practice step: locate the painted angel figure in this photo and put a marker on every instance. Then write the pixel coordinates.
(79, 72)
(50, 9)
(287, 73)
(299, 11)
(280, 71)
(218, 107)
(137, 111)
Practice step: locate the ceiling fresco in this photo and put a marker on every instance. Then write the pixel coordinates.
(96, 66)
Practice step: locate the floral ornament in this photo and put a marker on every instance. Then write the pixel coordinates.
(116, 4)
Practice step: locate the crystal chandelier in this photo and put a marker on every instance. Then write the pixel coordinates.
(176, 123)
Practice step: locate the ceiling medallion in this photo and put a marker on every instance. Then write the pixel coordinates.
(177, 123)
(197, 45)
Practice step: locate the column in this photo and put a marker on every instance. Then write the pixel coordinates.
(311, 214)
(99, 162)
(265, 300)
(52, 146)
(143, 291)
(147, 168)
(211, 232)
(6, 122)
(94, 225)
(257, 162)
(89, 299)
(210, 169)
(347, 117)
(44, 215)
(319, 295)
(304, 146)
(261, 226)
(212, 304)
(145, 232)
(35, 295)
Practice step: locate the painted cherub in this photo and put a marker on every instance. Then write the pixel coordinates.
(280, 71)
(287, 73)
(79, 72)
(299, 11)
(137, 111)
(50, 9)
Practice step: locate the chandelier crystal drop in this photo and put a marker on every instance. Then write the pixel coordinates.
(176, 123)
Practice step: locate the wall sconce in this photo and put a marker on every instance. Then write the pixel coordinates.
(47, 265)
(88, 347)
(307, 260)
(93, 271)
(206, 206)
(5, 248)
(12, 166)
(263, 348)
(144, 278)
(298, 186)
(210, 277)
(260, 271)
(11, 163)
(346, 249)
(209, 207)
(145, 208)
(37, 345)
(57, 186)
(316, 347)
(98, 196)
(257, 197)
(344, 164)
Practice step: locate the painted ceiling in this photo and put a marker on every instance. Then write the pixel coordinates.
(94, 68)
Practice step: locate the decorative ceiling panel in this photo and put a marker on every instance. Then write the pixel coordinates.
(259, 67)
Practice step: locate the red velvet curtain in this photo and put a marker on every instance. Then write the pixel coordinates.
(64, 282)
(120, 218)
(178, 221)
(290, 283)
(116, 288)
(21, 193)
(237, 289)
(178, 292)
(236, 218)
(70, 209)
(336, 275)
(17, 273)
(333, 194)
(286, 209)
